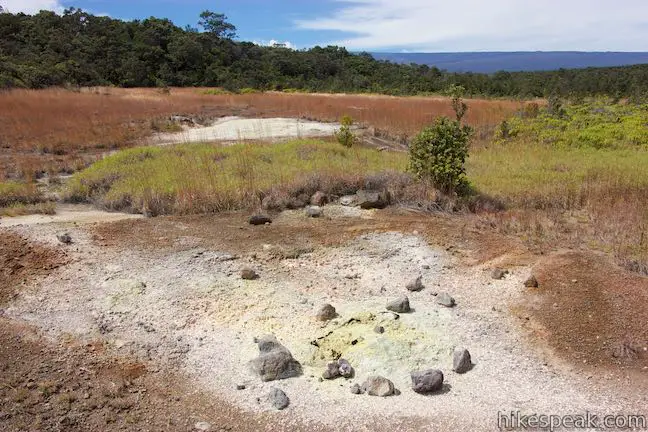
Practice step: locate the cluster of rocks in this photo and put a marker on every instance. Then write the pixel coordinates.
(499, 274)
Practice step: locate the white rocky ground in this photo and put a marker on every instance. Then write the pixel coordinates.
(189, 310)
(235, 129)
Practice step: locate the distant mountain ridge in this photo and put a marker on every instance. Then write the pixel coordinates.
(490, 62)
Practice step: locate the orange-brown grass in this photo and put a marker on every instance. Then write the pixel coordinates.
(58, 130)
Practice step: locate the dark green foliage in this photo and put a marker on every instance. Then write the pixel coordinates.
(439, 152)
(80, 49)
(344, 136)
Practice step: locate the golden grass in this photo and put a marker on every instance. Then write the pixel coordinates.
(58, 130)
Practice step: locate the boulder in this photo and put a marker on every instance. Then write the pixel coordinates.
(278, 398)
(249, 274)
(355, 389)
(313, 211)
(415, 285)
(400, 305)
(461, 361)
(275, 361)
(532, 282)
(373, 199)
(445, 299)
(319, 199)
(378, 386)
(259, 220)
(428, 381)
(326, 312)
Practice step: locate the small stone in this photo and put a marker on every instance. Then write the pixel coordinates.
(240, 387)
(332, 371)
(64, 238)
(203, 426)
(355, 389)
(345, 368)
(415, 285)
(400, 305)
(379, 329)
(461, 361)
(428, 381)
(319, 198)
(249, 274)
(445, 299)
(378, 386)
(498, 273)
(314, 211)
(326, 312)
(278, 398)
(532, 282)
(426, 267)
(275, 362)
(259, 220)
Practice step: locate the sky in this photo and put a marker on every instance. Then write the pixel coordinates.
(402, 25)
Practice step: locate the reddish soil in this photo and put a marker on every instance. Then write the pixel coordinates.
(592, 312)
(22, 261)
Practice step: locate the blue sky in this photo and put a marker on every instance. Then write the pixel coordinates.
(403, 25)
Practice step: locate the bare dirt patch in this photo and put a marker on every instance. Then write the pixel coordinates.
(591, 311)
(22, 261)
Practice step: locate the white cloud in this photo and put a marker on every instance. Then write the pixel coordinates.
(477, 25)
(273, 42)
(31, 6)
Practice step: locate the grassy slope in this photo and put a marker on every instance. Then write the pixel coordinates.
(202, 178)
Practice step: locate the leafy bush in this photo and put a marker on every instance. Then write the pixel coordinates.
(438, 153)
(344, 135)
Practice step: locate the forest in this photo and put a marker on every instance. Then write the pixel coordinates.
(81, 49)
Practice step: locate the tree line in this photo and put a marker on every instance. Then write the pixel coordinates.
(81, 49)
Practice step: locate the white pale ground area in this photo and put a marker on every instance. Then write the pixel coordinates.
(232, 129)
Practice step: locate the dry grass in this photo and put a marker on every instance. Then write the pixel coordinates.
(58, 130)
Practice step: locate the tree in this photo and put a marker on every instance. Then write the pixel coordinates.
(438, 153)
(217, 24)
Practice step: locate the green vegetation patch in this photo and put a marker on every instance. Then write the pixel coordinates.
(598, 125)
(199, 178)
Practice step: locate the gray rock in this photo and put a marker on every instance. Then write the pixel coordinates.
(64, 238)
(400, 305)
(275, 361)
(336, 369)
(373, 199)
(345, 368)
(348, 200)
(278, 398)
(415, 285)
(461, 361)
(379, 329)
(240, 387)
(259, 220)
(332, 371)
(378, 386)
(355, 389)
(249, 274)
(428, 381)
(203, 427)
(319, 198)
(532, 282)
(498, 273)
(326, 312)
(313, 211)
(445, 299)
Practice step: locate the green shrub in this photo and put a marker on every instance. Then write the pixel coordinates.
(344, 136)
(438, 153)
(249, 90)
